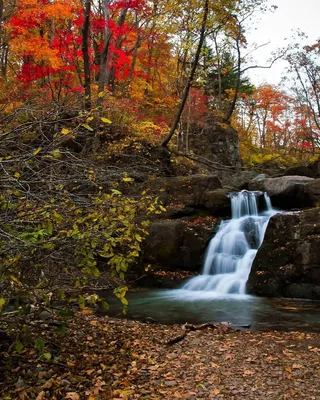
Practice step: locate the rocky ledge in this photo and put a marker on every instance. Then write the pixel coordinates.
(288, 262)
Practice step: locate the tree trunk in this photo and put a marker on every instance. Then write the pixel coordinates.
(110, 79)
(191, 76)
(236, 92)
(105, 53)
(85, 52)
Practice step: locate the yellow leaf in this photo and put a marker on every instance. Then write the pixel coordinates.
(100, 94)
(127, 179)
(16, 280)
(88, 127)
(57, 217)
(70, 364)
(65, 131)
(17, 175)
(56, 154)
(2, 303)
(106, 120)
(37, 151)
(89, 119)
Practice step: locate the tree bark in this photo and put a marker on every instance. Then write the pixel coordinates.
(110, 78)
(85, 52)
(236, 92)
(191, 76)
(105, 53)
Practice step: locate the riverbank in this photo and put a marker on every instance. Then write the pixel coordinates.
(107, 358)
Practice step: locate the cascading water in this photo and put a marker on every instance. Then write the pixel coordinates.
(231, 252)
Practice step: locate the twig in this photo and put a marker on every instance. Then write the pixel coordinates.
(188, 328)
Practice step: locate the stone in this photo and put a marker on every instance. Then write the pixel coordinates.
(288, 262)
(286, 192)
(173, 245)
(45, 315)
(237, 180)
(187, 195)
(310, 170)
(218, 143)
(311, 193)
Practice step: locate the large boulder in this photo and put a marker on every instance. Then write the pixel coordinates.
(236, 180)
(173, 245)
(218, 143)
(288, 262)
(310, 170)
(188, 195)
(310, 193)
(286, 192)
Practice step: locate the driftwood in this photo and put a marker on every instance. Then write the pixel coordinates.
(188, 328)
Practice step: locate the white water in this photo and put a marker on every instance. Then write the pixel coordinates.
(231, 252)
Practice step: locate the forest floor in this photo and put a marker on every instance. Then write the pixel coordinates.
(107, 358)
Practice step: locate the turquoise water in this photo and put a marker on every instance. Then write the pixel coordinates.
(242, 311)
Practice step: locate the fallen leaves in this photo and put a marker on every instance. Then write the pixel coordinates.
(129, 361)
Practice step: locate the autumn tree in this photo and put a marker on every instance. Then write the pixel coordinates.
(304, 65)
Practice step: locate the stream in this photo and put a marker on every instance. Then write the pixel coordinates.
(219, 293)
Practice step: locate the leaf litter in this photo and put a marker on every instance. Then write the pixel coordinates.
(105, 358)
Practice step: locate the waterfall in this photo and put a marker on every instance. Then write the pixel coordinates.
(231, 252)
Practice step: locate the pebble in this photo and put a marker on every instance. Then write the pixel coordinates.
(44, 315)
(170, 383)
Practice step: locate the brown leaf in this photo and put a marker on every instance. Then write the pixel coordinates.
(48, 384)
(89, 371)
(41, 395)
(72, 396)
(247, 372)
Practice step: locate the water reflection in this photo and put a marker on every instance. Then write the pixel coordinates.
(181, 306)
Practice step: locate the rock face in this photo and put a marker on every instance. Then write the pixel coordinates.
(236, 180)
(311, 193)
(311, 170)
(286, 191)
(186, 195)
(288, 262)
(218, 143)
(175, 245)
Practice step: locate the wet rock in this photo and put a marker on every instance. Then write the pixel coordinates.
(288, 262)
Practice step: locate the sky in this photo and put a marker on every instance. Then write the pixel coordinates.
(278, 28)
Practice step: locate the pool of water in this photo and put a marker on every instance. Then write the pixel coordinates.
(241, 311)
